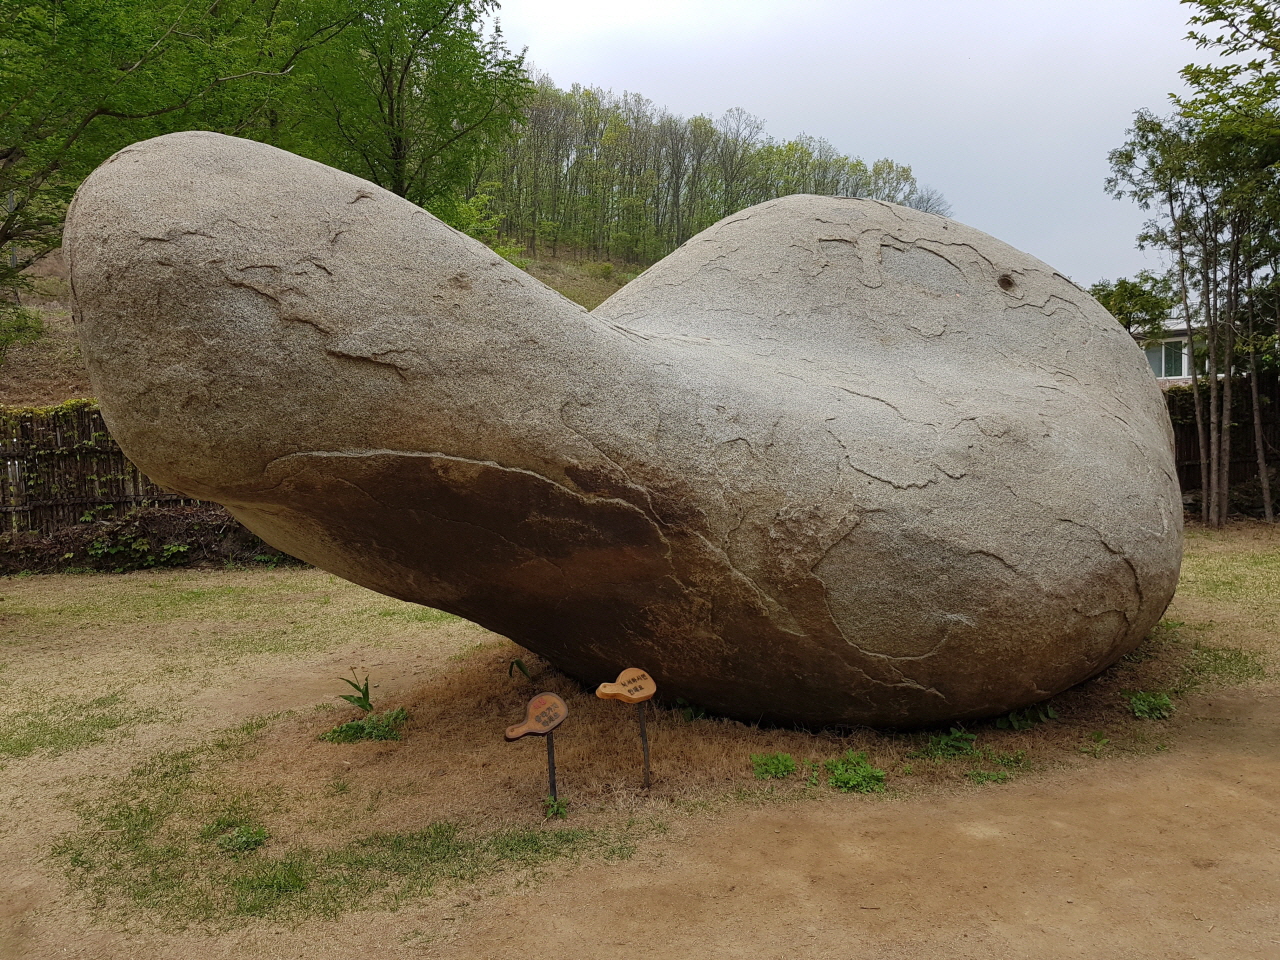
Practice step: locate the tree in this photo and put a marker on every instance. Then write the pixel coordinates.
(412, 96)
(609, 176)
(1143, 305)
(79, 79)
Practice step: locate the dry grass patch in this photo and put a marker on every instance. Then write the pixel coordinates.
(587, 282)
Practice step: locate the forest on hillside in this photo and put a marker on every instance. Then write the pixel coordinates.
(612, 177)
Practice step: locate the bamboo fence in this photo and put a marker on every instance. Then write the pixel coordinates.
(63, 468)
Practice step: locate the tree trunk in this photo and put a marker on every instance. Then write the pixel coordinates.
(1197, 397)
(1215, 406)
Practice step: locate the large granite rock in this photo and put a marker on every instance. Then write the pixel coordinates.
(833, 461)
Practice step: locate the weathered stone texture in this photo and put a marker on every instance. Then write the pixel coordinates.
(832, 461)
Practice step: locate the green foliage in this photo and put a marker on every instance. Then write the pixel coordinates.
(988, 776)
(555, 808)
(125, 549)
(1097, 743)
(1150, 706)
(517, 664)
(772, 766)
(1143, 305)
(853, 773)
(81, 79)
(1027, 718)
(814, 775)
(17, 325)
(411, 96)
(608, 177)
(360, 698)
(690, 711)
(372, 726)
(946, 746)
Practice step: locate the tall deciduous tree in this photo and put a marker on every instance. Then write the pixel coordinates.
(411, 96)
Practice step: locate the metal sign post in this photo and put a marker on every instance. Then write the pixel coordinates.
(544, 713)
(633, 686)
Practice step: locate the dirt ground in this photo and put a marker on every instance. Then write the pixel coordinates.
(1167, 850)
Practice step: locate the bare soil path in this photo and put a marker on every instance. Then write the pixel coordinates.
(1175, 856)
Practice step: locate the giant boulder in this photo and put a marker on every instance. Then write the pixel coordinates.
(833, 461)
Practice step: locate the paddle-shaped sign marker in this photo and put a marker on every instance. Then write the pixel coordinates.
(544, 713)
(633, 686)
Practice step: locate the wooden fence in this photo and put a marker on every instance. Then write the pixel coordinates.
(1244, 457)
(62, 467)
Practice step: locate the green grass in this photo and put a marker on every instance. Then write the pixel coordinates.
(853, 773)
(415, 614)
(284, 611)
(1150, 706)
(372, 726)
(1221, 665)
(1237, 577)
(58, 725)
(948, 746)
(772, 766)
(177, 840)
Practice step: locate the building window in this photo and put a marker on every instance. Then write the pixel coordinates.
(1168, 359)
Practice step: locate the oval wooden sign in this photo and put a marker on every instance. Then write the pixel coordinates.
(633, 686)
(545, 712)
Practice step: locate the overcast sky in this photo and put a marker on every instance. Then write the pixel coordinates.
(1007, 106)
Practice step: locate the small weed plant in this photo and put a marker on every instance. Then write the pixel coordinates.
(773, 766)
(360, 698)
(1097, 742)
(554, 808)
(515, 665)
(988, 776)
(1027, 718)
(853, 773)
(371, 726)
(1150, 706)
(948, 746)
(813, 776)
(690, 711)
(1007, 760)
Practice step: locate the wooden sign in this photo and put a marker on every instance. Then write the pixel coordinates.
(633, 686)
(545, 712)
